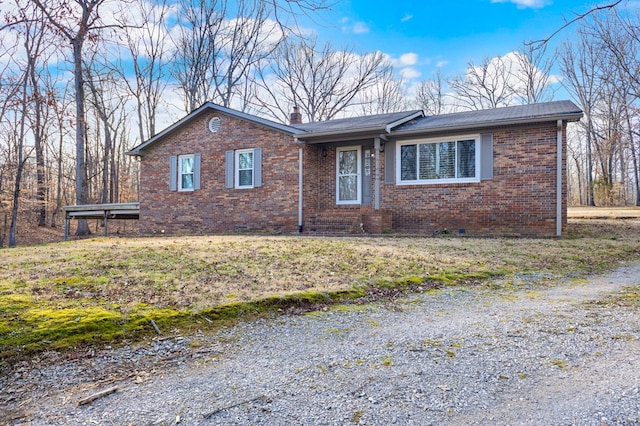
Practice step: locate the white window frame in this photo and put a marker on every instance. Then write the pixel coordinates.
(456, 139)
(180, 173)
(237, 154)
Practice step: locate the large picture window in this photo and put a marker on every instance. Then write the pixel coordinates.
(438, 161)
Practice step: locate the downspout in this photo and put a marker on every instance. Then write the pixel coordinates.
(376, 188)
(559, 181)
(300, 192)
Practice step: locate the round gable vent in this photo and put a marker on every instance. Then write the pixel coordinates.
(214, 124)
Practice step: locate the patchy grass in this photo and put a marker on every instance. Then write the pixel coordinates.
(103, 290)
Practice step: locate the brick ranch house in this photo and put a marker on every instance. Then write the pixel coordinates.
(493, 172)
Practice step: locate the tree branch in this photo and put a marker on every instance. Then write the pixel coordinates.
(577, 18)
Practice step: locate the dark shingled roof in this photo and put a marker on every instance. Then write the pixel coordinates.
(396, 124)
(559, 110)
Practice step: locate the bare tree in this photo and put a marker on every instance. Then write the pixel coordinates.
(28, 110)
(19, 137)
(488, 85)
(9, 90)
(430, 95)
(533, 74)
(322, 82)
(386, 95)
(618, 36)
(608, 120)
(40, 101)
(579, 63)
(78, 22)
(61, 110)
(251, 37)
(196, 50)
(107, 102)
(633, 137)
(219, 46)
(148, 46)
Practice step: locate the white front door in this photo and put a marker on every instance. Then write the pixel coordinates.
(348, 182)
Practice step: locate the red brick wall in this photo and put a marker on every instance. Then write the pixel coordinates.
(519, 200)
(320, 179)
(214, 208)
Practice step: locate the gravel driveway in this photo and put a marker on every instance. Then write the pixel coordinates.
(544, 353)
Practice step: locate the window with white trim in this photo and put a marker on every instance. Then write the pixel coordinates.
(438, 160)
(186, 172)
(244, 168)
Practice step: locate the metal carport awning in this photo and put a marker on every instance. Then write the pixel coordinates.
(100, 211)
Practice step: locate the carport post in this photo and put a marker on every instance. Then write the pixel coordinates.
(66, 226)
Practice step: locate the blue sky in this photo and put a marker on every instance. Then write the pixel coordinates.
(446, 34)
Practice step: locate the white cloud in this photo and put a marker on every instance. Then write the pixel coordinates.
(441, 64)
(360, 28)
(409, 73)
(406, 18)
(524, 4)
(405, 65)
(408, 59)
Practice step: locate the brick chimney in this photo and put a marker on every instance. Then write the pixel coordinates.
(295, 117)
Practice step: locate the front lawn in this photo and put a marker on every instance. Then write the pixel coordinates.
(66, 295)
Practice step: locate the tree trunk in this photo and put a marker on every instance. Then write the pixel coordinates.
(20, 168)
(106, 160)
(81, 133)
(634, 158)
(38, 140)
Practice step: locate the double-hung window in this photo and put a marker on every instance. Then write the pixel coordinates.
(186, 172)
(439, 161)
(244, 168)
